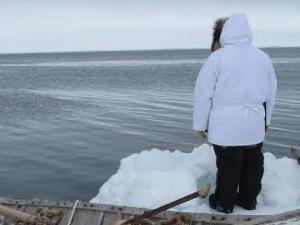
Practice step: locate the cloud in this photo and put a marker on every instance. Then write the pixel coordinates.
(65, 25)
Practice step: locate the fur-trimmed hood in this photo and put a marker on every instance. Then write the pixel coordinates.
(217, 29)
(236, 30)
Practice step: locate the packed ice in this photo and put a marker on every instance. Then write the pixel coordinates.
(152, 178)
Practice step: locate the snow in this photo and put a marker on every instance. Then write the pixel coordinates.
(155, 177)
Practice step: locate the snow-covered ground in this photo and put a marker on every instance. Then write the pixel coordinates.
(152, 178)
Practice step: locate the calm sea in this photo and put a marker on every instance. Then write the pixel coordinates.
(67, 119)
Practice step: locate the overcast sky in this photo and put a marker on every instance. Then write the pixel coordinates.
(93, 25)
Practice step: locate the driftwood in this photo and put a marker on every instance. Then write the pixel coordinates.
(44, 217)
(17, 215)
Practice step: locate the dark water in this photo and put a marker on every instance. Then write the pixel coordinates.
(66, 120)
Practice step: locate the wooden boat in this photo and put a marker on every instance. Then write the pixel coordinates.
(82, 213)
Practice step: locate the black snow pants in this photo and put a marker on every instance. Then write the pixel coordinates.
(240, 171)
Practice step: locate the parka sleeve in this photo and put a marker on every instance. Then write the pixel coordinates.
(271, 93)
(203, 93)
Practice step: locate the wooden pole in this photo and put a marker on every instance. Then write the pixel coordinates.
(17, 215)
(201, 193)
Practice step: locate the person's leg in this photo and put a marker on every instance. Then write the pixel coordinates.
(229, 164)
(252, 173)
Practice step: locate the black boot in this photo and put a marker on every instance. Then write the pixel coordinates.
(214, 204)
(250, 205)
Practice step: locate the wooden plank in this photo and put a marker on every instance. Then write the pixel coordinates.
(275, 218)
(100, 218)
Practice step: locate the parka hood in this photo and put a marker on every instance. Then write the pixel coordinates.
(236, 30)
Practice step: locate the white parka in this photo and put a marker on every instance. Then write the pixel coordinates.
(231, 88)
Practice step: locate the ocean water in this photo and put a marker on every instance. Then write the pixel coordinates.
(67, 119)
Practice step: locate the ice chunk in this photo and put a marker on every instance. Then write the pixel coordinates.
(155, 177)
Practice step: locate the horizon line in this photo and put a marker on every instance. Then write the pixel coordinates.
(126, 50)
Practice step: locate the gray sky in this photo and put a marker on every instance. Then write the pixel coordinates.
(91, 25)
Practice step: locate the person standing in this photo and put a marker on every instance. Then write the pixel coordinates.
(234, 98)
